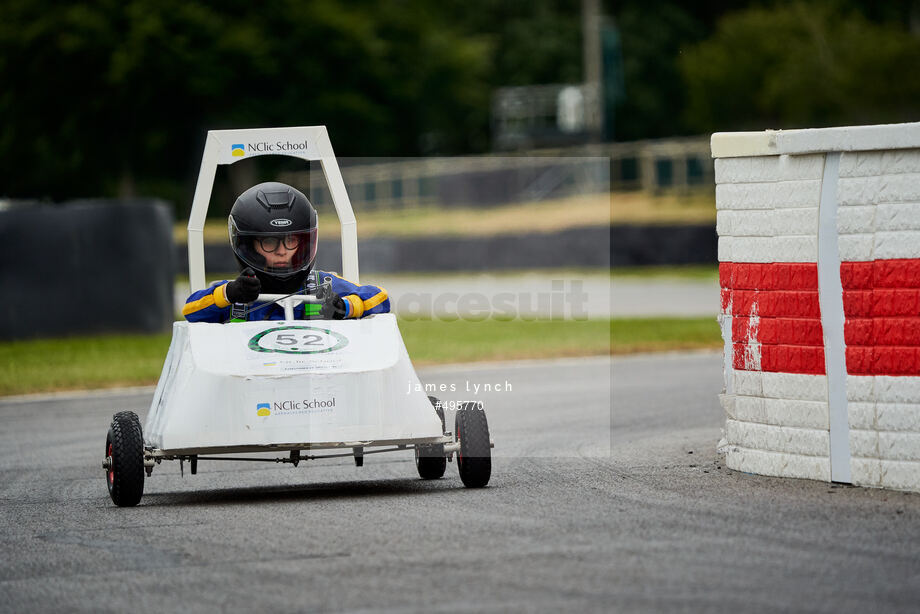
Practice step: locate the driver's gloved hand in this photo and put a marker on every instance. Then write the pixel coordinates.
(333, 307)
(245, 288)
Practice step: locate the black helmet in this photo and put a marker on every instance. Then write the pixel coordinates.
(273, 230)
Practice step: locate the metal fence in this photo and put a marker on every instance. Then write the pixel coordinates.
(663, 165)
(672, 165)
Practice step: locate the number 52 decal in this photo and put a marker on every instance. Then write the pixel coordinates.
(298, 340)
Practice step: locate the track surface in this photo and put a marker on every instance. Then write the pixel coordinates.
(664, 297)
(636, 514)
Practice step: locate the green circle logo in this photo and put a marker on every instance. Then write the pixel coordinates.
(298, 340)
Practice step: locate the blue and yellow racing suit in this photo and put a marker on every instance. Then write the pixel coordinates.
(211, 304)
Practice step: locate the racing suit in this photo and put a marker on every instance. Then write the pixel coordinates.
(211, 304)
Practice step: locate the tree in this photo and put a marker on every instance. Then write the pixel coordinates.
(652, 39)
(801, 65)
(109, 97)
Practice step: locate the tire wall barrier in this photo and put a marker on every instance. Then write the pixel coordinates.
(577, 247)
(819, 265)
(598, 246)
(86, 267)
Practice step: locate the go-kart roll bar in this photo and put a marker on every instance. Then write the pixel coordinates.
(230, 146)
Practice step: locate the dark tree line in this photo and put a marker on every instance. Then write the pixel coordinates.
(115, 96)
(110, 97)
(712, 65)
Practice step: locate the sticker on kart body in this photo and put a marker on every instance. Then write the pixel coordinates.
(298, 340)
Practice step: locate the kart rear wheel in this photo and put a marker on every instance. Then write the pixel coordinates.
(124, 459)
(430, 459)
(474, 460)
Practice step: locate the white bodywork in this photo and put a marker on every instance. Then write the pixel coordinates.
(285, 384)
(241, 386)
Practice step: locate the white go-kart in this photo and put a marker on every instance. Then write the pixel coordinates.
(288, 386)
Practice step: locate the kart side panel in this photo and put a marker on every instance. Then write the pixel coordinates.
(284, 382)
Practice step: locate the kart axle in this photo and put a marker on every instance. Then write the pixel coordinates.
(294, 459)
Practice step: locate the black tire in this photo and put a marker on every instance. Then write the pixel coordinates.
(474, 461)
(124, 450)
(430, 459)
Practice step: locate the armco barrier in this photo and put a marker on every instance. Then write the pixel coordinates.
(819, 250)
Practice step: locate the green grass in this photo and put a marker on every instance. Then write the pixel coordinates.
(630, 335)
(435, 341)
(697, 206)
(542, 216)
(131, 360)
(103, 361)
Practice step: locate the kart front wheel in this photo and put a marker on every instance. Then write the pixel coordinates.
(124, 459)
(474, 461)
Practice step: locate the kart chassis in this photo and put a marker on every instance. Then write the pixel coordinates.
(125, 475)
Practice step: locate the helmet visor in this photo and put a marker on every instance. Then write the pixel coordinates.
(279, 254)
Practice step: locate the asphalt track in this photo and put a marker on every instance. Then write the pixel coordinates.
(593, 505)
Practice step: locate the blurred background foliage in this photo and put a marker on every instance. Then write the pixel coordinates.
(721, 65)
(114, 97)
(801, 66)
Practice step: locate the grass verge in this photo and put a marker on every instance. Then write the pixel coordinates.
(542, 216)
(104, 361)
(437, 341)
(76, 363)
(533, 217)
(631, 335)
